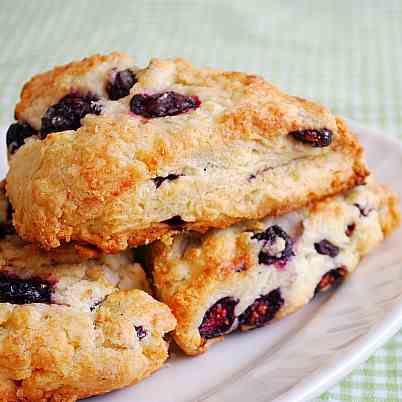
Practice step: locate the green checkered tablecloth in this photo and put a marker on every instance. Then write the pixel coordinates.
(346, 54)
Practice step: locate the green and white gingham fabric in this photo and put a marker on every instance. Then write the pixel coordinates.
(346, 54)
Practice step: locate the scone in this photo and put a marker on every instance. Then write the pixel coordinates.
(165, 148)
(252, 273)
(72, 326)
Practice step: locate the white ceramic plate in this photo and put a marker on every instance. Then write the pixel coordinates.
(303, 355)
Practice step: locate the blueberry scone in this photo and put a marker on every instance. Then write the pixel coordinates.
(246, 275)
(73, 330)
(114, 155)
(73, 326)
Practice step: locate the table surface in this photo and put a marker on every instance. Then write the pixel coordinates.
(344, 54)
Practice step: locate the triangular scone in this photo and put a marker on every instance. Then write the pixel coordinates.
(178, 148)
(73, 326)
(252, 273)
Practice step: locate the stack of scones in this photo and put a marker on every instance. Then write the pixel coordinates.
(142, 202)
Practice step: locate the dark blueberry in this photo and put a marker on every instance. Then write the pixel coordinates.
(141, 332)
(262, 310)
(16, 135)
(6, 226)
(68, 112)
(325, 247)
(272, 251)
(363, 211)
(163, 104)
(9, 213)
(350, 229)
(16, 290)
(331, 279)
(175, 221)
(219, 318)
(160, 179)
(121, 84)
(316, 138)
(6, 229)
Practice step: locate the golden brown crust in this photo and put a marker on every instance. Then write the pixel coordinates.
(233, 157)
(193, 271)
(64, 349)
(51, 216)
(47, 88)
(63, 355)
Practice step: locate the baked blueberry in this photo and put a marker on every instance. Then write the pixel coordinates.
(68, 112)
(160, 179)
(262, 310)
(325, 247)
(219, 318)
(316, 138)
(350, 229)
(175, 221)
(331, 279)
(16, 135)
(141, 332)
(17, 290)
(277, 247)
(163, 104)
(121, 83)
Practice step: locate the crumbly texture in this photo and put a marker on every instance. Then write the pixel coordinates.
(97, 332)
(193, 272)
(115, 181)
(85, 342)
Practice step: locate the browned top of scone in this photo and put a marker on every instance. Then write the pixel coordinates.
(246, 104)
(195, 129)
